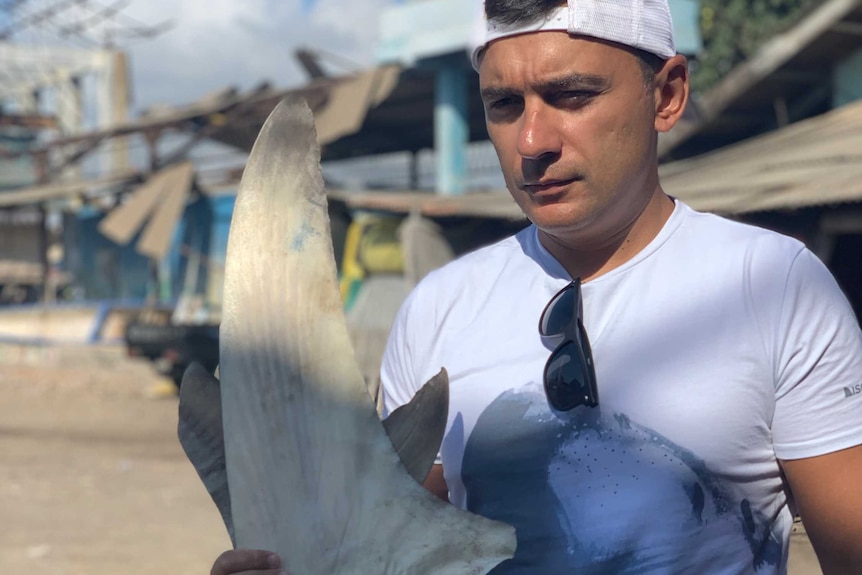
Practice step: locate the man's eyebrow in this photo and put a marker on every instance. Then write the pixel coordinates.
(573, 82)
(563, 83)
(497, 93)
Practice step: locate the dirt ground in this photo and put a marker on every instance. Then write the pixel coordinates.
(94, 482)
(92, 478)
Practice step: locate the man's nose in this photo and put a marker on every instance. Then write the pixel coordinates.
(539, 137)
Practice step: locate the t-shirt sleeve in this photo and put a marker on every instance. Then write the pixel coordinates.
(818, 366)
(398, 371)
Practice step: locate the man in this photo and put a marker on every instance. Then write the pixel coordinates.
(635, 386)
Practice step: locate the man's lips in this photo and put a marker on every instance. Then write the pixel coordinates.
(545, 187)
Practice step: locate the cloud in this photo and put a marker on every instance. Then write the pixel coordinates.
(214, 44)
(351, 22)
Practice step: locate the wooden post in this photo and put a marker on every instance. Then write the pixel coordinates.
(152, 139)
(451, 128)
(119, 110)
(40, 161)
(782, 116)
(153, 288)
(45, 292)
(414, 170)
(42, 176)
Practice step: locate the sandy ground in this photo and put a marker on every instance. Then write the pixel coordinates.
(94, 482)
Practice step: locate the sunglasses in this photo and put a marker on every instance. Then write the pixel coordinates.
(570, 377)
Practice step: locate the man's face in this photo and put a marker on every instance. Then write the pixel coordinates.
(574, 129)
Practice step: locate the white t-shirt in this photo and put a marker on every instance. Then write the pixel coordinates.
(719, 349)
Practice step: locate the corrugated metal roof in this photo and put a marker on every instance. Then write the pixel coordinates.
(122, 223)
(159, 233)
(814, 162)
(63, 190)
(487, 204)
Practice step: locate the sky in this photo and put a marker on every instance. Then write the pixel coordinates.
(214, 44)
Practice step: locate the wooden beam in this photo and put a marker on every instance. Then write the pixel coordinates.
(849, 28)
(31, 121)
(36, 195)
(843, 222)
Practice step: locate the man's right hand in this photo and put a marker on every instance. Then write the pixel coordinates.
(247, 562)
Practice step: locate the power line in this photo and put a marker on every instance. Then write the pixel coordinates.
(93, 22)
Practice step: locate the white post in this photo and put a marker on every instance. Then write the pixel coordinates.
(113, 105)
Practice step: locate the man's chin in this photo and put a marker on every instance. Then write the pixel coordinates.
(548, 215)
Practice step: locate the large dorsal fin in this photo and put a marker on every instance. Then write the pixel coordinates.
(312, 474)
(415, 430)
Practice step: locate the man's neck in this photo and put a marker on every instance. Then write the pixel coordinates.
(600, 258)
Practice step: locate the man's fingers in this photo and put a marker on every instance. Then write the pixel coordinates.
(247, 562)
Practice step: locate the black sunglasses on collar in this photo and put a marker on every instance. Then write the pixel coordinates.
(570, 377)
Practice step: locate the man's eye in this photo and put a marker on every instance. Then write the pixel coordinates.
(502, 104)
(576, 97)
(504, 109)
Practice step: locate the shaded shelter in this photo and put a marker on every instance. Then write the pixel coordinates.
(814, 162)
(792, 76)
(804, 180)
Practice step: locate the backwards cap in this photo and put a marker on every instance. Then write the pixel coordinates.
(642, 24)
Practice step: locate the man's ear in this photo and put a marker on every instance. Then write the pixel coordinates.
(671, 92)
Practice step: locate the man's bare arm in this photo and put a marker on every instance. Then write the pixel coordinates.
(436, 484)
(829, 496)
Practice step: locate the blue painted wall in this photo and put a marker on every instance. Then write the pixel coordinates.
(100, 268)
(222, 211)
(193, 235)
(103, 270)
(848, 80)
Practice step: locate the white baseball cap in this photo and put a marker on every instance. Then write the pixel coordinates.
(642, 24)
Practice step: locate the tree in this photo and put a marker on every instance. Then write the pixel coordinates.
(733, 30)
